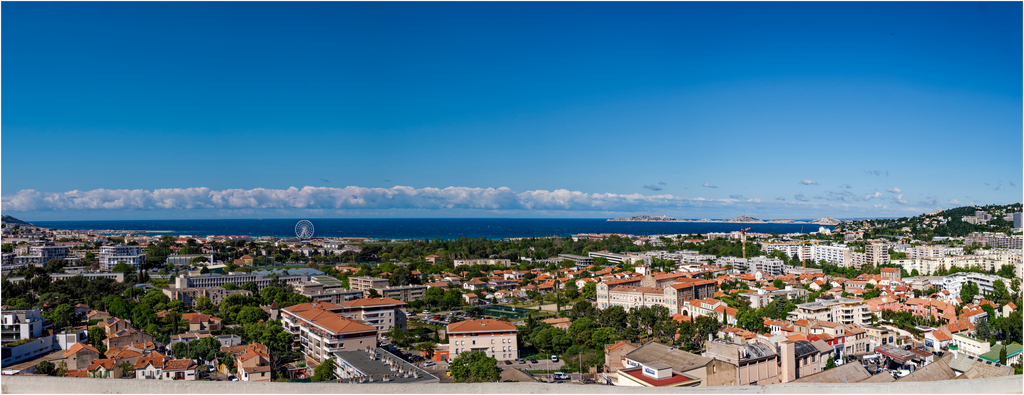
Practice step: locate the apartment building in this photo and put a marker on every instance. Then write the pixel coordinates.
(766, 265)
(582, 262)
(497, 339)
(22, 324)
(954, 282)
(110, 256)
(41, 255)
(997, 240)
(320, 331)
(405, 293)
(381, 313)
(364, 283)
(841, 310)
(610, 256)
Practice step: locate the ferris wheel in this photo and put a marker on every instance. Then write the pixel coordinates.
(304, 229)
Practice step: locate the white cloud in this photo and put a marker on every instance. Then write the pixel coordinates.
(309, 198)
(847, 186)
(736, 196)
(808, 182)
(654, 187)
(894, 190)
(899, 199)
(709, 185)
(800, 197)
(873, 195)
(954, 201)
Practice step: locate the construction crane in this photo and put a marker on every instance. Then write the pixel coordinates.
(743, 236)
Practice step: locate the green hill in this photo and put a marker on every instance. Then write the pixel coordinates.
(943, 223)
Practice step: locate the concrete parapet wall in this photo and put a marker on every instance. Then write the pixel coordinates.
(62, 385)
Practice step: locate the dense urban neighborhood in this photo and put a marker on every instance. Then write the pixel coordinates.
(928, 298)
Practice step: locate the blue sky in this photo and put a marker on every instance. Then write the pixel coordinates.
(776, 110)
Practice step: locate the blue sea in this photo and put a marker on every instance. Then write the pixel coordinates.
(418, 228)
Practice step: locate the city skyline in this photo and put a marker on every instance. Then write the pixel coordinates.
(509, 110)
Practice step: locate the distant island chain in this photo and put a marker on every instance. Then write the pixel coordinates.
(743, 219)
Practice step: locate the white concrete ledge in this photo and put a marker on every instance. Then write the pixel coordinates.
(63, 385)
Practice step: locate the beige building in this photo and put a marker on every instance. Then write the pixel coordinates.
(405, 293)
(497, 339)
(969, 345)
(366, 283)
(754, 363)
(381, 313)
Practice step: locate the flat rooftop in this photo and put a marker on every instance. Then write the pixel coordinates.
(377, 367)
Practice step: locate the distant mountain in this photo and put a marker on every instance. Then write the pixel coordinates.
(7, 219)
(826, 221)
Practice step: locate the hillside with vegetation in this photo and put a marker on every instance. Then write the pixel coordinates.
(948, 223)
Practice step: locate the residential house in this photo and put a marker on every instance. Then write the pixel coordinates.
(150, 366)
(181, 369)
(80, 356)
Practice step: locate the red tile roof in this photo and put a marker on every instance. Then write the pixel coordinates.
(481, 325)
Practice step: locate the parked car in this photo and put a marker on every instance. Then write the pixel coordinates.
(426, 311)
(533, 360)
(507, 362)
(429, 363)
(554, 358)
(232, 378)
(561, 376)
(521, 361)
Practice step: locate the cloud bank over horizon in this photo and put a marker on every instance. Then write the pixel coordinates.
(345, 200)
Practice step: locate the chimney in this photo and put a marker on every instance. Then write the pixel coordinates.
(788, 355)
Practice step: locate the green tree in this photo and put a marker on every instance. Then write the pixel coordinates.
(46, 367)
(96, 336)
(474, 367)
(778, 283)
(1002, 355)
(63, 316)
(250, 315)
(831, 363)
(589, 290)
(968, 291)
(324, 371)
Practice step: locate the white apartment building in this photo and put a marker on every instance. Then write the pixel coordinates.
(610, 256)
(926, 266)
(22, 324)
(834, 254)
(321, 332)
(841, 310)
(497, 339)
(41, 255)
(953, 283)
(110, 256)
(771, 266)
